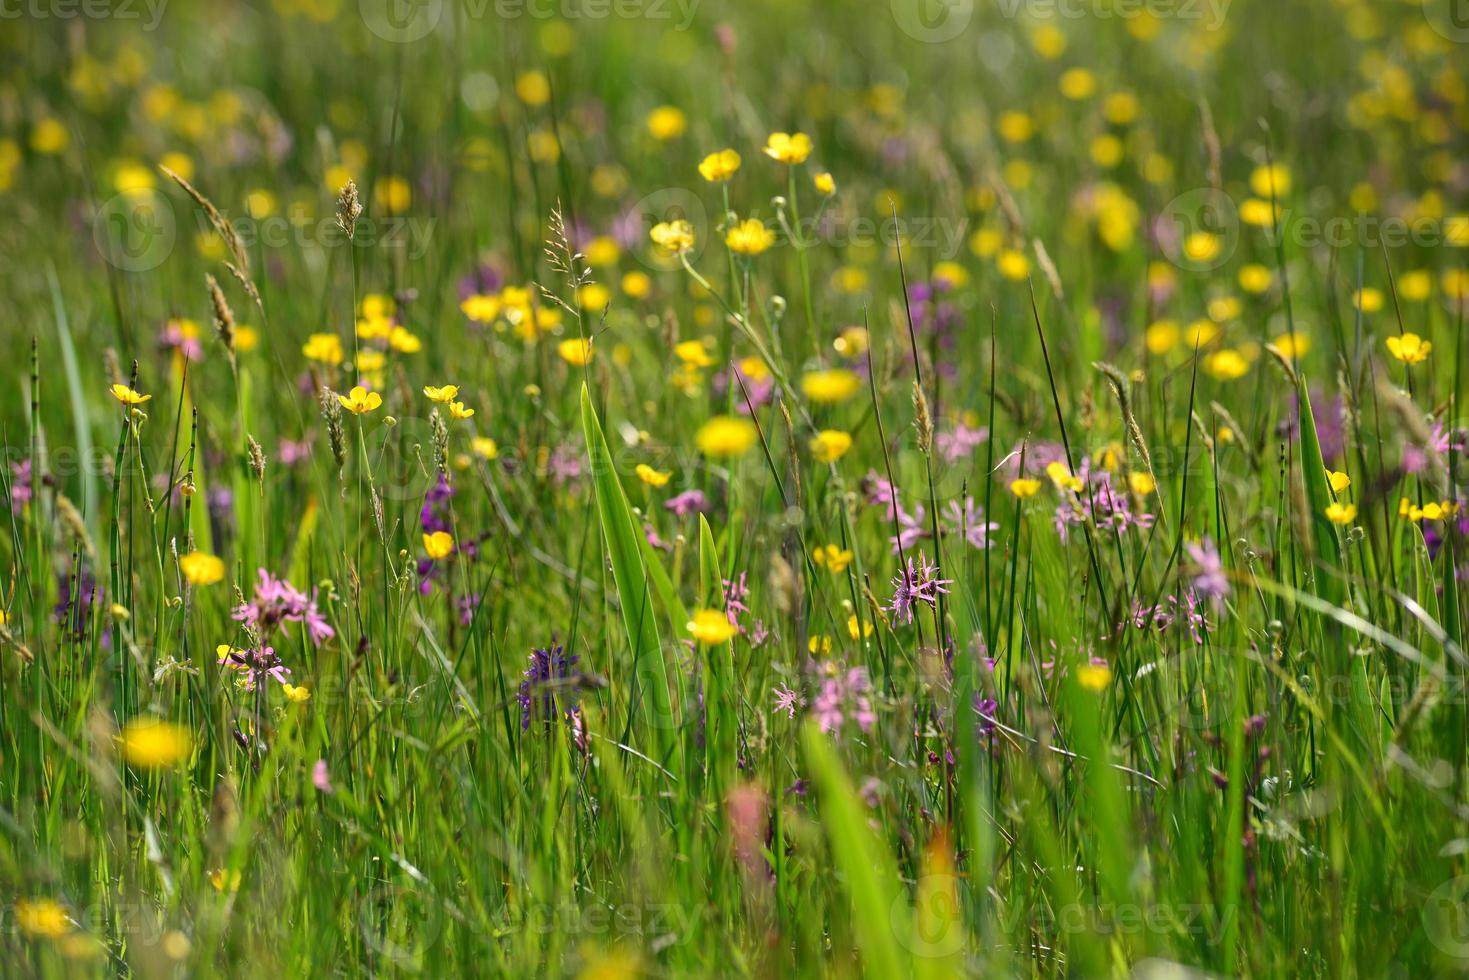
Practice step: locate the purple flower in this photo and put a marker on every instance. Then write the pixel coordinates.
(969, 519)
(20, 484)
(788, 700)
(257, 666)
(320, 778)
(843, 695)
(961, 442)
(688, 502)
(913, 587)
(544, 693)
(1209, 580)
(277, 601)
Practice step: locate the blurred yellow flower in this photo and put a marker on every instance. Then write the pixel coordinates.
(325, 348)
(789, 148)
(152, 743)
(533, 88)
(749, 237)
(49, 136)
(666, 122)
(637, 285)
(1226, 365)
(1271, 180)
(43, 918)
(833, 558)
(201, 568)
(693, 353)
(484, 447)
(577, 351)
(720, 166)
(830, 445)
(830, 385)
(672, 237)
(1025, 487)
(442, 395)
(824, 183)
(652, 477)
(726, 436)
(711, 627)
(296, 694)
(1094, 677)
(1340, 513)
(1141, 483)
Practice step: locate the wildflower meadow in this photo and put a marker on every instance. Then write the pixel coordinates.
(670, 488)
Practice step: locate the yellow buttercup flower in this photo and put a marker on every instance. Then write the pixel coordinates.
(1094, 677)
(1226, 365)
(438, 545)
(484, 447)
(402, 340)
(830, 385)
(830, 445)
(672, 237)
(1340, 513)
(1141, 484)
(481, 308)
(201, 568)
(459, 411)
(726, 436)
(1339, 481)
(1271, 180)
(43, 918)
(1023, 488)
(442, 395)
(711, 627)
(360, 400)
(652, 477)
(1013, 265)
(296, 694)
(1367, 300)
(693, 353)
(833, 558)
(1063, 478)
(1293, 346)
(128, 396)
(720, 166)
(853, 629)
(824, 183)
(749, 237)
(1409, 348)
(788, 148)
(533, 88)
(152, 743)
(667, 122)
(577, 351)
(325, 348)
